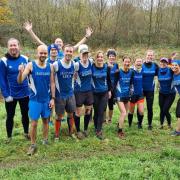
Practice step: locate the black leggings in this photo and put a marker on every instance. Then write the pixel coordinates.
(165, 102)
(149, 95)
(111, 102)
(10, 110)
(100, 103)
(178, 109)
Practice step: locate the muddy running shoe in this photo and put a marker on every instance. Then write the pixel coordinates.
(72, 135)
(56, 139)
(8, 140)
(170, 127)
(32, 149)
(175, 133)
(109, 121)
(99, 135)
(27, 136)
(121, 135)
(45, 142)
(80, 135)
(86, 133)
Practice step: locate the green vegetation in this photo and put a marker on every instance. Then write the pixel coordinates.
(142, 155)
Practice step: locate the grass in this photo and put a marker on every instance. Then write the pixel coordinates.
(142, 155)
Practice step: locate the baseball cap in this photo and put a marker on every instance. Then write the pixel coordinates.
(83, 48)
(164, 59)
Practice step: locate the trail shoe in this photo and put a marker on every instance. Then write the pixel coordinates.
(32, 149)
(150, 127)
(56, 139)
(170, 127)
(45, 142)
(8, 140)
(72, 135)
(99, 135)
(80, 135)
(121, 135)
(27, 136)
(85, 133)
(175, 133)
(139, 126)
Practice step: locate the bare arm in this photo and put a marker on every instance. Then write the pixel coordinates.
(23, 72)
(52, 81)
(28, 27)
(89, 32)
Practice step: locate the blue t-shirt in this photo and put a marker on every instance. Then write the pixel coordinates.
(8, 77)
(137, 83)
(165, 76)
(149, 71)
(124, 83)
(99, 78)
(40, 83)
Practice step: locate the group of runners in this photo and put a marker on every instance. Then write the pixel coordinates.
(76, 86)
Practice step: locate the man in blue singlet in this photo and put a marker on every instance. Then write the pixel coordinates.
(41, 80)
(65, 100)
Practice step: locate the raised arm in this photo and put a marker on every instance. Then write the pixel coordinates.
(89, 32)
(23, 72)
(28, 27)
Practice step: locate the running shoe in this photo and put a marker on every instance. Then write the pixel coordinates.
(175, 133)
(8, 140)
(27, 136)
(121, 135)
(85, 133)
(32, 149)
(45, 142)
(80, 135)
(99, 135)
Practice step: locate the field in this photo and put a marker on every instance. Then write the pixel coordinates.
(142, 154)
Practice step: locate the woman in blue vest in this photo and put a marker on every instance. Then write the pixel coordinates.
(149, 70)
(124, 82)
(176, 84)
(137, 95)
(83, 90)
(166, 92)
(111, 54)
(101, 91)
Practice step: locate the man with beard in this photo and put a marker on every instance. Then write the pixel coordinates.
(65, 100)
(41, 79)
(11, 90)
